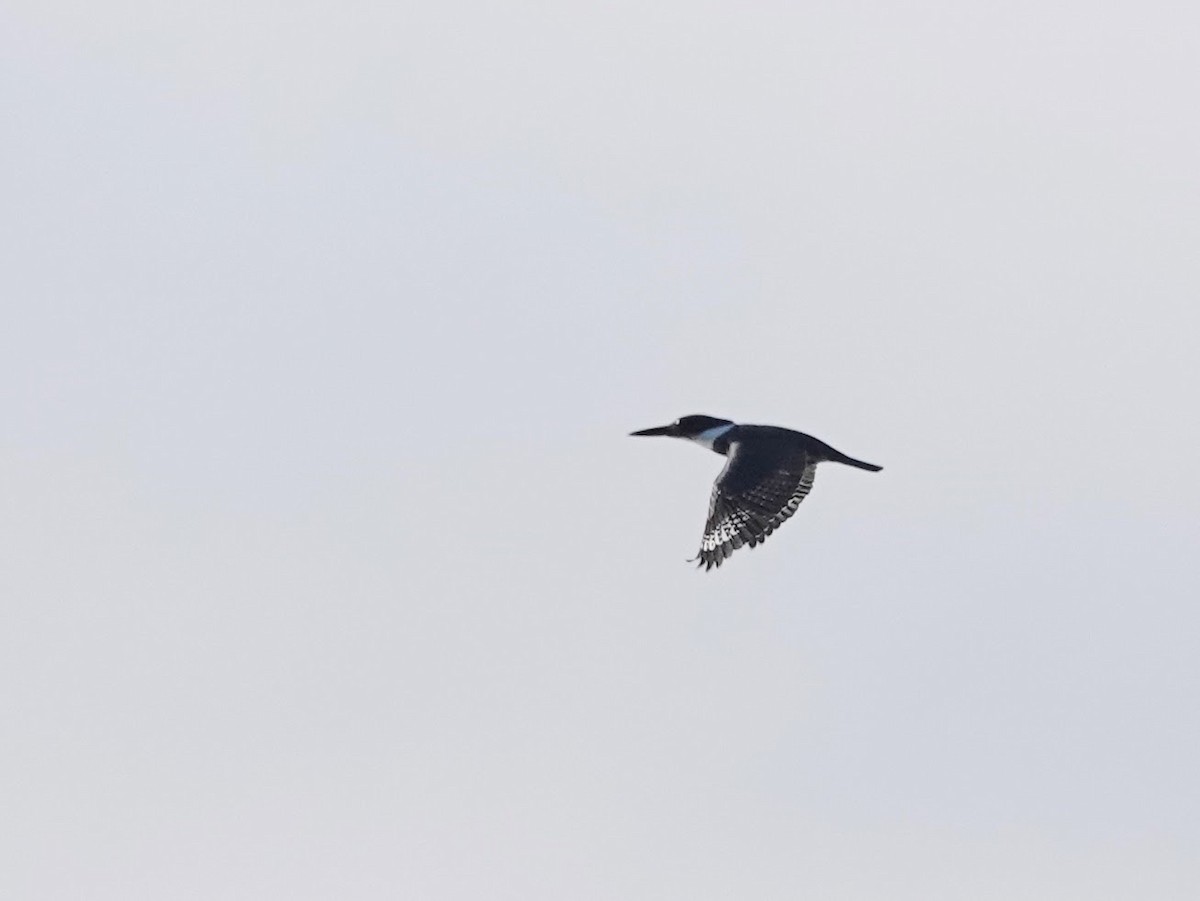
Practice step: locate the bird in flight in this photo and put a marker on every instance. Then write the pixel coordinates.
(769, 471)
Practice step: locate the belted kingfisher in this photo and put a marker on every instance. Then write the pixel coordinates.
(769, 472)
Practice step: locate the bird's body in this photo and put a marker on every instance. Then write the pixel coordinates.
(768, 472)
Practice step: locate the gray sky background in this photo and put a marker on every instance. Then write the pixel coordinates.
(329, 571)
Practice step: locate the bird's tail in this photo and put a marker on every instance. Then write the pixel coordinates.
(850, 461)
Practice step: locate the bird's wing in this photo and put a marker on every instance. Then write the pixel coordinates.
(750, 499)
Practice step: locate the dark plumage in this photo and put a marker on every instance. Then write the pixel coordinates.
(769, 471)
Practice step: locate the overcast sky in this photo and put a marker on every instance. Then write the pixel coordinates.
(330, 572)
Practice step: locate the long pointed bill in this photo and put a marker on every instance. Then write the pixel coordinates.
(657, 430)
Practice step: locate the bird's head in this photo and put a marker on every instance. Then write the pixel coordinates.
(702, 429)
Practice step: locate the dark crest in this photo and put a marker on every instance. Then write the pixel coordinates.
(697, 423)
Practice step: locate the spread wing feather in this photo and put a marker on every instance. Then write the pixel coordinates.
(751, 498)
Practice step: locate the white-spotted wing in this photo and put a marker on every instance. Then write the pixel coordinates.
(752, 496)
